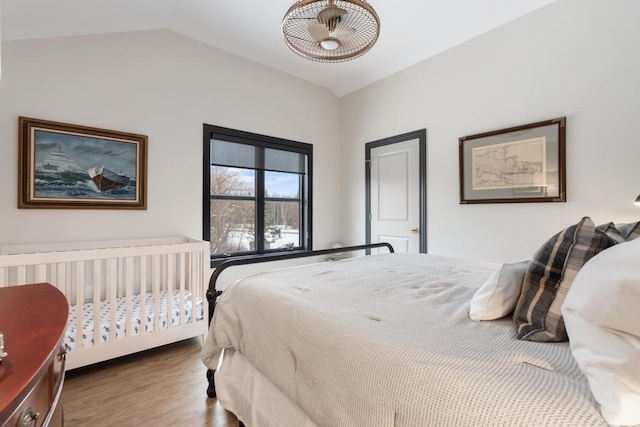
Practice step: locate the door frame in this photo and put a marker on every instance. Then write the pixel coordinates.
(421, 136)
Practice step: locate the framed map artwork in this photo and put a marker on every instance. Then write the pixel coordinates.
(519, 164)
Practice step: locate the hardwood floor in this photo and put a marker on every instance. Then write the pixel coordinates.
(160, 387)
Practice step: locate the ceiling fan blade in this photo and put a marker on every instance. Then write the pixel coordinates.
(343, 32)
(317, 31)
(331, 15)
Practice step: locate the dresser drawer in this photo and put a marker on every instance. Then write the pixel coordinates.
(33, 320)
(34, 408)
(40, 407)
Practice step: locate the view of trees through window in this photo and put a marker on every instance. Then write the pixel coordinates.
(257, 194)
(234, 202)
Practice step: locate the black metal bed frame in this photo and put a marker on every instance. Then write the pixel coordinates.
(213, 293)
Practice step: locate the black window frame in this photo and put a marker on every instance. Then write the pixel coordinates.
(211, 132)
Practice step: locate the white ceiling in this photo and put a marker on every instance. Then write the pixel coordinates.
(411, 30)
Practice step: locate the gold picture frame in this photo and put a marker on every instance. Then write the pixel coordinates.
(66, 166)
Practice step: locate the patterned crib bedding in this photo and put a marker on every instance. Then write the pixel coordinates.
(121, 306)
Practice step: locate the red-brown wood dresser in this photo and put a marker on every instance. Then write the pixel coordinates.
(33, 319)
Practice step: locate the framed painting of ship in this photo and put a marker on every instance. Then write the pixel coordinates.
(65, 166)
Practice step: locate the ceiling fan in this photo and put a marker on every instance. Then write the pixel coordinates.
(330, 30)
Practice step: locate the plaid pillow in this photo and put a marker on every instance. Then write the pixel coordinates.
(621, 233)
(629, 231)
(610, 230)
(548, 279)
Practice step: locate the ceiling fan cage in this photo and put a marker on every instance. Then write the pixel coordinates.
(351, 30)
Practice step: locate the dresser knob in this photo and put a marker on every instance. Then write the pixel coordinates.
(28, 418)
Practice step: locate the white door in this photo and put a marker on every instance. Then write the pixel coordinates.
(395, 195)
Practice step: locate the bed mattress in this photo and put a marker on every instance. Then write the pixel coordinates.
(386, 340)
(88, 312)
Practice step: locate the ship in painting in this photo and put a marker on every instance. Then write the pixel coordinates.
(59, 166)
(106, 179)
(58, 161)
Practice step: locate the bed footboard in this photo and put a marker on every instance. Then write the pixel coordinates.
(213, 293)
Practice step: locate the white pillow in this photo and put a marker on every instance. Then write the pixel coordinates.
(602, 317)
(499, 295)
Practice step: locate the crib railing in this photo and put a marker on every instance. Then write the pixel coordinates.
(113, 273)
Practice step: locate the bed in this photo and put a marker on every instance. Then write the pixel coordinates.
(124, 296)
(387, 340)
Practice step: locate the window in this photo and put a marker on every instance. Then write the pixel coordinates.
(257, 194)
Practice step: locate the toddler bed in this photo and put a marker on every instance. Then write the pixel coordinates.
(133, 276)
(387, 340)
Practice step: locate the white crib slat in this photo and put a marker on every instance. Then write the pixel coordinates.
(112, 285)
(97, 292)
(79, 290)
(143, 294)
(61, 278)
(181, 302)
(3, 280)
(129, 274)
(21, 274)
(204, 267)
(41, 273)
(155, 313)
(195, 282)
(187, 285)
(170, 279)
(120, 281)
(193, 262)
(195, 275)
(53, 272)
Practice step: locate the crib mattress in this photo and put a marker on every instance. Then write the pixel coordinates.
(88, 312)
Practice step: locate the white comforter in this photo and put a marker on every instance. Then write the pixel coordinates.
(385, 340)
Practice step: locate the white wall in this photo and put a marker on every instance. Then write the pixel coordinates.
(574, 58)
(165, 86)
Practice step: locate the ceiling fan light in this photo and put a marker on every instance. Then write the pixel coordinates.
(330, 44)
(311, 29)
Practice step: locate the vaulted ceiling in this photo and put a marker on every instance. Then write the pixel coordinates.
(411, 30)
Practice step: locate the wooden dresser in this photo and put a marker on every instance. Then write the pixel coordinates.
(33, 319)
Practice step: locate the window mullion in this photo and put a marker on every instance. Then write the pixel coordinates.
(302, 239)
(260, 205)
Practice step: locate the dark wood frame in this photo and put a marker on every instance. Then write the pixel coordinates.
(26, 166)
(212, 293)
(528, 193)
(421, 136)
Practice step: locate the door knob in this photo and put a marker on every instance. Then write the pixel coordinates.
(415, 230)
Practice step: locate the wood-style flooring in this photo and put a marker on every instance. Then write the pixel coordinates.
(161, 387)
